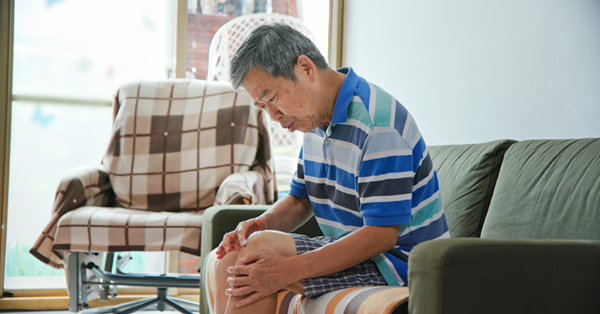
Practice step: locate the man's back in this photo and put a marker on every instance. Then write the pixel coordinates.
(371, 167)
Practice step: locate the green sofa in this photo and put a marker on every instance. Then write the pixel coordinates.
(524, 218)
(531, 247)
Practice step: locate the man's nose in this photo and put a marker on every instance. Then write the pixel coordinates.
(273, 112)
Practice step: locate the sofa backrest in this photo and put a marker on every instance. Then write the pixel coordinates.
(547, 189)
(467, 176)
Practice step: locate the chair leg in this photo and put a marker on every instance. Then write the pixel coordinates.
(73, 282)
(186, 303)
(108, 265)
(161, 295)
(162, 301)
(138, 307)
(125, 308)
(177, 307)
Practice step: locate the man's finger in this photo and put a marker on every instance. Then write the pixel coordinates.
(238, 281)
(261, 223)
(237, 270)
(241, 233)
(250, 258)
(239, 291)
(251, 299)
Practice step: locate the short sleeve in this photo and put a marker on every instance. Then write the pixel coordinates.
(298, 187)
(385, 178)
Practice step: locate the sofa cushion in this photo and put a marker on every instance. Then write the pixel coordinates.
(547, 189)
(467, 175)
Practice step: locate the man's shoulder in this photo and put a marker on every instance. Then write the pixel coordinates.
(381, 107)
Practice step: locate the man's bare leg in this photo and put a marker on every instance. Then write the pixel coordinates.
(221, 276)
(272, 241)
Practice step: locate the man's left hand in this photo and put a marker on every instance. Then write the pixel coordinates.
(260, 274)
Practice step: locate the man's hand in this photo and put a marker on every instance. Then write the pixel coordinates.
(236, 239)
(259, 275)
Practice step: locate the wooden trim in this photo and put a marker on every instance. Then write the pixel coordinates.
(172, 266)
(62, 100)
(180, 38)
(122, 290)
(62, 302)
(57, 303)
(55, 299)
(337, 33)
(7, 10)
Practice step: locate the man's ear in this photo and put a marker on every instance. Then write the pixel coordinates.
(306, 68)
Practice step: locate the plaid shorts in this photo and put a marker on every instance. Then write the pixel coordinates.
(363, 274)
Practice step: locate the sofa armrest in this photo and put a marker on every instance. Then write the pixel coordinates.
(466, 275)
(218, 220)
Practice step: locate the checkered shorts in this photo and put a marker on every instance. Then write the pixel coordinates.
(363, 274)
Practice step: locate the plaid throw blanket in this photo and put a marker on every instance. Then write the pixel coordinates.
(177, 147)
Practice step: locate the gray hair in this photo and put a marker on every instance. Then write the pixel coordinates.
(274, 48)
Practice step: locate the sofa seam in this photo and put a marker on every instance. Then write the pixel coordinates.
(486, 204)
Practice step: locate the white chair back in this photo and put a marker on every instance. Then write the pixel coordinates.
(229, 37)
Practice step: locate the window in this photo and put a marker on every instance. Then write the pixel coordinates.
(70, 56)
(205, 17)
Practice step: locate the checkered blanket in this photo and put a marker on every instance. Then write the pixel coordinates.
(177, 147)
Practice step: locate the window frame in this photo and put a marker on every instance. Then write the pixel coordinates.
(57, 298)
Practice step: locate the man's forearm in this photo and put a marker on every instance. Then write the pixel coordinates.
(288, 213)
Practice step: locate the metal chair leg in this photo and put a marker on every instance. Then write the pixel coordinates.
(125, 308)
(78, 277)
(73, 282)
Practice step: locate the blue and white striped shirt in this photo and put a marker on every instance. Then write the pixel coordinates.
(371, 166)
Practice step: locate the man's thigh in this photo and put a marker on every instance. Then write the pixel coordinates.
(363, 274)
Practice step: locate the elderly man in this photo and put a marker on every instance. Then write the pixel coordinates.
(364, 171)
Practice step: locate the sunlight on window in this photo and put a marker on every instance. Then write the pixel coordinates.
(70, 50)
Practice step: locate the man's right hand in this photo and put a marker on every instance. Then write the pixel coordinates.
(236, 239)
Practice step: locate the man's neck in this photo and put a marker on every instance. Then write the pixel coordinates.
(331, 81)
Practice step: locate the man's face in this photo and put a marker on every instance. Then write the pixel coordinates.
(290, 103)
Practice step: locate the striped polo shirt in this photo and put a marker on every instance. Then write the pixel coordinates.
(371, 166)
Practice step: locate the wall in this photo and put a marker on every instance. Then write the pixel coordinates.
(474, 71)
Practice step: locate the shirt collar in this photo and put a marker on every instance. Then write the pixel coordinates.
(340, 111)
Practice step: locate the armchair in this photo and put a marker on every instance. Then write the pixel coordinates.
(177, 148)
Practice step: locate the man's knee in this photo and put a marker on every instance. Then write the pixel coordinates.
(271, 241)
(228, 260)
